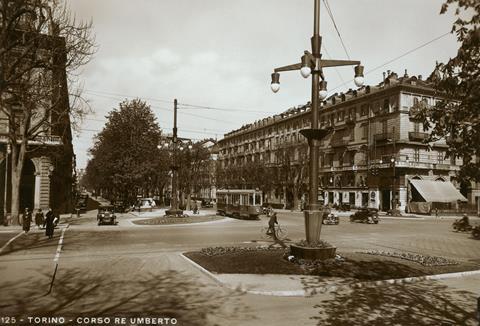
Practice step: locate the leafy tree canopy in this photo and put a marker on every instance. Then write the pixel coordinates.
(457, 119)
(125, 156)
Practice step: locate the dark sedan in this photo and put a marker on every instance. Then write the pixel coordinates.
(365, 215)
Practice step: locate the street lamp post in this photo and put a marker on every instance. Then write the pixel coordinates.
(313, 64)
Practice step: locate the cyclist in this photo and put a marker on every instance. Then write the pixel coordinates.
(271, 225)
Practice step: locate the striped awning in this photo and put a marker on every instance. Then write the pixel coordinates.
(437, 191)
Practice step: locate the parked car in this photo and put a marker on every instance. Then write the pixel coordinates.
(207, 203)
(106, 215)
(81, 204)
(365, 215)
(330, 219)
(145, 204)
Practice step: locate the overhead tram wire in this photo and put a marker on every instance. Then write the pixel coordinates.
(193, 106)
(198, 131)
(170, 110)
(97, 130)
(123, 96)
(397, 58)
(330, 14)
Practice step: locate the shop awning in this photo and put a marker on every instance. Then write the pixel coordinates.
(437, 191)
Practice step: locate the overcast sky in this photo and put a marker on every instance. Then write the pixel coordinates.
(220, 54)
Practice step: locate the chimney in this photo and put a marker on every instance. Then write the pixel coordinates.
(388, 73)
(420, 77)
(406, 74)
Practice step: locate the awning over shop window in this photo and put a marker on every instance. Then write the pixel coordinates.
(437, 191)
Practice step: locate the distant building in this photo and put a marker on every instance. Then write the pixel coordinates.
(370, 159)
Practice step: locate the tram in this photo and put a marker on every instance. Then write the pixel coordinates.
(240, 203)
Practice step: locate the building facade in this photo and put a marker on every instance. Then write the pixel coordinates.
(47, 176)
(375, 148)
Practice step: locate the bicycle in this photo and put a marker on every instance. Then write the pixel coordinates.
(280, 231)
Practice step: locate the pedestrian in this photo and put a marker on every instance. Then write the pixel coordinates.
(436, 213)
(39, 218)
(49, 223)
(27, 220)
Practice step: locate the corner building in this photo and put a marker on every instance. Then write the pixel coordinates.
(375, 150)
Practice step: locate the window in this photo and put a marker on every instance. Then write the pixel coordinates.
(364, 110)
(453, 161)
(364, 131)
(384, 126)
(386, 105)
(416, 126)
(440, 157)
(416, 155)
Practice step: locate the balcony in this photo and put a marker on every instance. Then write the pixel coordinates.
(417, 136)
(339, 143)
(383, 137)
(349, 120)
(38, 140)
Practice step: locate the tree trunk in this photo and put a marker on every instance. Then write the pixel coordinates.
(18, 157)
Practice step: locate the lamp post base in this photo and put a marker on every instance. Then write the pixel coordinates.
(313, 224)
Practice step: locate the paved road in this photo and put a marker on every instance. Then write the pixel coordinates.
(112, 270)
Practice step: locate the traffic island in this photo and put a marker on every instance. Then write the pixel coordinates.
(166, 220)
(350, 266)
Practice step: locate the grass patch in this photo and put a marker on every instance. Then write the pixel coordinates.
(177, 220)
(357, 266)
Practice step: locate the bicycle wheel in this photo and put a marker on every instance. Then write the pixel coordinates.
(263, 233)
(282, 232)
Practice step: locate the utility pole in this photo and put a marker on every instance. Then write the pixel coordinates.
(174, 204)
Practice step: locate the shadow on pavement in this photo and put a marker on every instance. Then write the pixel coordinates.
(169, 294)
(32, 241)
(426, 303)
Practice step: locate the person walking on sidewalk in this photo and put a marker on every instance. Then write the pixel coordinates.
(49, 224)
(39, 218)
(27, 220)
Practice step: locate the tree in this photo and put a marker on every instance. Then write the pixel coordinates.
(41, 47)
(293, 169)
(457, 117)
(126, 159)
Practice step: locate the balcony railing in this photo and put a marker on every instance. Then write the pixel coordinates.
(339, 143)
(415, 135)
(386, 136)
(38, 140)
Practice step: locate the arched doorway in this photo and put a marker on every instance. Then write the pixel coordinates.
(27, 186)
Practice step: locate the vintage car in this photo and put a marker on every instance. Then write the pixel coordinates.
(81, 205)
(365, 215)
(330, 219)
(476, 232)
(106, 215)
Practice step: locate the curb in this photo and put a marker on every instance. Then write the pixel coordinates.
(176, 224)
(333, 287)
(10, 241)
(203, 270)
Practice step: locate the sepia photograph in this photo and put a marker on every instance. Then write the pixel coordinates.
(231, 163)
